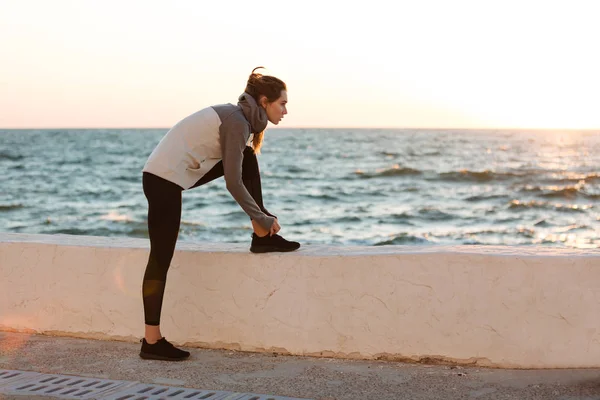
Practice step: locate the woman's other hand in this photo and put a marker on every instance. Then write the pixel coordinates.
(274, 228)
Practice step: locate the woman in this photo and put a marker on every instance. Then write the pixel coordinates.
(206, 145)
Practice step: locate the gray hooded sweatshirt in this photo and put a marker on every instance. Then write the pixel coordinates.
(198, 142)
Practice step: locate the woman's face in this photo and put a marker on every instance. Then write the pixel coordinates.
(277, 109)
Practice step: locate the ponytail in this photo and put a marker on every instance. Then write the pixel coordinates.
(257, 142)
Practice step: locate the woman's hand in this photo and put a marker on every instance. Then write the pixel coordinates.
(274, 228)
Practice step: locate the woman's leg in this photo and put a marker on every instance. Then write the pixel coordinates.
(251, 180)
(164, 217)
(262, 242)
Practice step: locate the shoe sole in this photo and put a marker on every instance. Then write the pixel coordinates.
(270, 249)
(149, 356)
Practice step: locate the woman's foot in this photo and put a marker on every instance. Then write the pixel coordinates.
(162, 350)
(267, 244)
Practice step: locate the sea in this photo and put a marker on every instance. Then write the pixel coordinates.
(338, 187)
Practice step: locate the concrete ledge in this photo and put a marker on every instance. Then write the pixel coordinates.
(522, 307)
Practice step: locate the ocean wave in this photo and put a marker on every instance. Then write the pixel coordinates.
(401, 219)
(472, 242)
(434, 214)
(572, 228)
(130, 231)
(139, 232)
(396, 170)
(305, 222)
(116, 217)
(347, 219)
(8, 207)
(294, 169)
(487, 197)
(564, 192)
(192, 223)
(571, 207)
(478, 235)
(230, 229)
(403, 238)
(326, 197)
(11, 157)
(592, 178)
(507, 220)
(100, 231)
(579, 178)
(533, 204)
(409, 153)
(476, 176)
(413, 153)
(129, 178)
(235, 214)
(591, 196)
(543, 223)
(376, 192)
(196, 203)
(525, 232)
(287, 177)
(485, 232)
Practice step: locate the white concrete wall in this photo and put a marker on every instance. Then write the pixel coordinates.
(493, 306)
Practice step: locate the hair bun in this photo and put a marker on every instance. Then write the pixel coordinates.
(253, 73)
(253, 80)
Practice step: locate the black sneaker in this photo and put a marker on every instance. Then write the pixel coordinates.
(268, 244)
(162, 350)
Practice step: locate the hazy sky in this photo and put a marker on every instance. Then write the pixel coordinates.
(418, 63)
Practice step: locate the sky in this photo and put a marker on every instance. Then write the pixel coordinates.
(380, 64)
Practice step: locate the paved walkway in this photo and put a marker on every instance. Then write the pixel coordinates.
(303, 377)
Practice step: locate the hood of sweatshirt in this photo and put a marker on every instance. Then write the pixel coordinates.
(255, 114)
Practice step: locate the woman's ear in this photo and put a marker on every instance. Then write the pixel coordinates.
(262, 100)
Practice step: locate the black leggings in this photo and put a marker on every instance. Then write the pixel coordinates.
(164, 217)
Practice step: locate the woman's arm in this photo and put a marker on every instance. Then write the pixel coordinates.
(234, 134)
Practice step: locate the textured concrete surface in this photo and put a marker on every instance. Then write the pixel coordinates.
(504, 306)
(305, 377)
